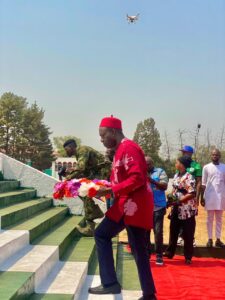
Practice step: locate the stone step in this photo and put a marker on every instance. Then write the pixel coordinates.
(33, 259)
(11, 242)
(9, 185)
(17, 212)
(65, 278)
(17, 196)
(16, 285)
(92, 281)
(51, 297)
(41, 222)
(61, 235)
(80, 254)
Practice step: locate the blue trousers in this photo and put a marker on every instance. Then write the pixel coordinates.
(137, 239)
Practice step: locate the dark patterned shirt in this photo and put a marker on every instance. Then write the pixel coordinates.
(182, 185)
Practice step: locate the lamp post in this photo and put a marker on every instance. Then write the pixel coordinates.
(196, 137)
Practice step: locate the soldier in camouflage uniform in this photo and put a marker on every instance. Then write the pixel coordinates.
(90, 164)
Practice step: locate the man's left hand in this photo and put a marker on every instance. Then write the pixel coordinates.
(103, 191)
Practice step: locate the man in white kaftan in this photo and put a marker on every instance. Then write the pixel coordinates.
(213, 183)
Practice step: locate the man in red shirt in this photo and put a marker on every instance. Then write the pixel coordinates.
(132, 209)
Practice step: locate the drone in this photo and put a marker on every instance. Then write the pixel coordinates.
(132, 19)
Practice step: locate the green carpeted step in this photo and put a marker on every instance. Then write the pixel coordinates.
(16, 285)
(17, 196)
(10, 185)
(61, 235)
(126, 269)
(93, 267)
(81, 249)
(51, 297)
(41, 222)
(17, 212)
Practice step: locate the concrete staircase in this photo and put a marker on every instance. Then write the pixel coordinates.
(42, 255)
(34, 237)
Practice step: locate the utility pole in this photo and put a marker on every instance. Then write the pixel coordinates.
(181, 132)
(196, 138)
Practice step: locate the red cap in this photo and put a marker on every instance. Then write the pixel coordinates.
(111, 122)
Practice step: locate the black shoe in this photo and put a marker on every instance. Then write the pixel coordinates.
(209, 243)
(150, 297)
(219, 244)
(188, 261)
(101, 290)
(159, 261)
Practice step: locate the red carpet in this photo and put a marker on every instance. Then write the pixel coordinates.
(204, 279)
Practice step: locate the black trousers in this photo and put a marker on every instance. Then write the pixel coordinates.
(104, 233)
(188, 229)
(158, 218)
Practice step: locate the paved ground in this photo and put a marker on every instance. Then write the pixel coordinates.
(201, 231)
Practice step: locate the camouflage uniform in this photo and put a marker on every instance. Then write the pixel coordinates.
(90, 164)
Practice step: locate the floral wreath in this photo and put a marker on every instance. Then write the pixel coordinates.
(78, 187)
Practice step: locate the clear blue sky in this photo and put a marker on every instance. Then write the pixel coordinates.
(81, 60)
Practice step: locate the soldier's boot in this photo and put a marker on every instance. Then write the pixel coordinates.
(88, 230)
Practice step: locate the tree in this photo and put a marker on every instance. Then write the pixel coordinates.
(60, 140)
(12, 110)
(36, 136)
(148, 137)
(23, 134)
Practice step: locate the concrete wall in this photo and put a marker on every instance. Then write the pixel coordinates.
(28, 176)
(43, 183)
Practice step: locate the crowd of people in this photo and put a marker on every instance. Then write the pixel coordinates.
(139, 201)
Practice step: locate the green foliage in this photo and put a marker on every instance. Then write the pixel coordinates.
(60, 140)
(12, 110)
(148, 137)
(168, 166)
(23, 134)
(1, 176)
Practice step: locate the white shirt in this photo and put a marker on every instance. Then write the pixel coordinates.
(213, 178)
